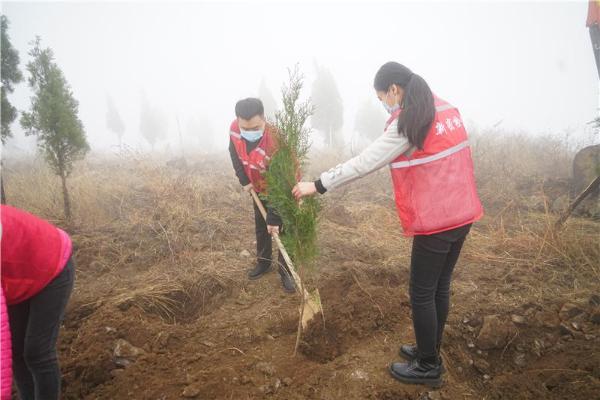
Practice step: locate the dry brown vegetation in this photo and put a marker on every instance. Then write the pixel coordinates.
(161, 264)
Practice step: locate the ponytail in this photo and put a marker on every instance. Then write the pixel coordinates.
(418, 109)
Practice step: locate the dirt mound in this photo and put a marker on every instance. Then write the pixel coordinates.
(354, 308)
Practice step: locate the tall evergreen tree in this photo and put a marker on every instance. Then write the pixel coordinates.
(53, 117)
(269, 103)
(10, 76)
(328, 117)
(370, 120)
(114, 122)
(153, 125)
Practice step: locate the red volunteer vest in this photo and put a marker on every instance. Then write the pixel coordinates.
(593, 16)
(255, 163)
(31, 254)
(435, 187)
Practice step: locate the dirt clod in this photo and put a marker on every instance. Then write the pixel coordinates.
(569, 311)
(495, 333)
(191, 391)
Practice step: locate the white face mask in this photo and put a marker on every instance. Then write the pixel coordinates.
(388, 108)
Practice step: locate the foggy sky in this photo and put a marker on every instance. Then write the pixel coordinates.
(525, 65)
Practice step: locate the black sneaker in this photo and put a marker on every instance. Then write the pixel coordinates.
(286, 280)
(409, 353)
(418, 372)
(258, 271)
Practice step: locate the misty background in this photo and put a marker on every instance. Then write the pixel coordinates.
(516, 66)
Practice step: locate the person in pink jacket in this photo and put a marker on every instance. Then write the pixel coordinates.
(5, 352)
(37, 280)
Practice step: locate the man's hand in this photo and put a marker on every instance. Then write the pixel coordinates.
(273, 229)
(303, 189)
(247, 188)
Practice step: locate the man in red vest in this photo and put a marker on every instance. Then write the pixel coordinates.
(593, 22)
(37, 280)
(251, 146)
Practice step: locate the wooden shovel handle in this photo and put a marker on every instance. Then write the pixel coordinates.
(259, 203)
(284, 253)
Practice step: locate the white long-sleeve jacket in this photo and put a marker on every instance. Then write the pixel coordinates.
(377, 155)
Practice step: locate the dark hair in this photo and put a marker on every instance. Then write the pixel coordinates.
(248, 108)
(418, 109)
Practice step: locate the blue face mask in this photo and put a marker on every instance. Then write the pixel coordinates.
(388, 108)
(252, 136)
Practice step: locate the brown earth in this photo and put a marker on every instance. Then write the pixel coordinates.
(161, 265)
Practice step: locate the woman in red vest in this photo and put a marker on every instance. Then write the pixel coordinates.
(37, 280)
(425, 144)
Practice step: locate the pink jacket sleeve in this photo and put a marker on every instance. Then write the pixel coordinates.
(5, 351)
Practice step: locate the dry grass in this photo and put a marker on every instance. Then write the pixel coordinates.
(161, 230)
(156, 296)
(172, 237)
(520, 180)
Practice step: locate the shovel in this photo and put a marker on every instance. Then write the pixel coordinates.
(311, 306)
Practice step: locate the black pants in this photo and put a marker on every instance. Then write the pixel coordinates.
(264, 245)
(432, 262)
(34, 326)
(595, 36)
